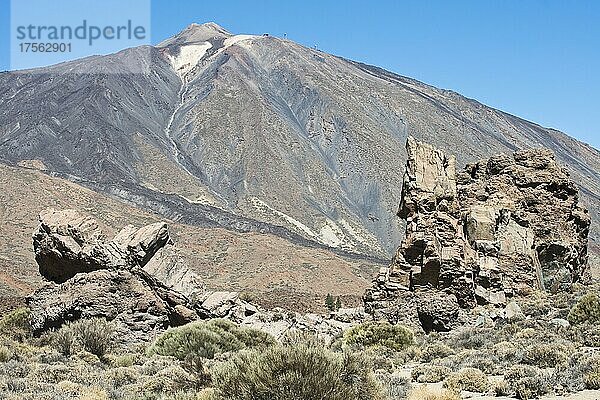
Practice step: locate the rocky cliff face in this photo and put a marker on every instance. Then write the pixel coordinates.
(495, 229)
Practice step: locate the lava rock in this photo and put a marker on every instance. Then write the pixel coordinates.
(502, 226)
(138, 280)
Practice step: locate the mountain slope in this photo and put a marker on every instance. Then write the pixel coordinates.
(278, 272)
(259, 128)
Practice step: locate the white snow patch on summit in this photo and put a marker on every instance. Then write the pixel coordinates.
(188, 57)
(236, 39)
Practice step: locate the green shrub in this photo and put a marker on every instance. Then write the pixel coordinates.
(381, 333)
(545, 355)
(332, 303)
(381, 358)
(248, 297)
(411, 353)
(572, 375)
(95, 335)
(394, 385)
(526, 333)
(592, 380)
(474, 338)
(54, 373)
(430, 373)
(5, 354)
(587, 333)
(526, 382)
(15, 325)
(63, 340)
(436, 350)
(470, 379)
(483, 360)
(304, 370)
(206, 339)
(123, 360)
(590, 362)
(508, 352)
(169, 380)
(501, 388)
(121, 376)
(207, 394)
(89, 358)
(586, 309)
(93, 393)
(589, 367)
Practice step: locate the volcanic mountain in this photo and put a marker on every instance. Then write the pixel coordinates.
(257, 134)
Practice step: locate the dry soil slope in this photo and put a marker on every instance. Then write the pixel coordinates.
(277, 271)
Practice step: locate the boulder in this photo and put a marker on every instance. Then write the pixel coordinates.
(280, 323)
(430, 177)
(66, 243)
(137, 279)
(168, 267)
(349, 315)
(140, 308)
(219, 304)
(560, 322)
(512, 312)
(437, 311)
(141, 244)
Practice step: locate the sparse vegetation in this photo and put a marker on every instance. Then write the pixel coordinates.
(587, 309)
(219, 360)
(501, 388)
(425, 393)
(430, 373)
(436, 350)
(380, 333)
(526, 382)
(304, 370)
(546, 355)
(206, 339)
(470, 379)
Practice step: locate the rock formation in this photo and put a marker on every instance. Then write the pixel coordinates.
(479, 236)
(136, 279)
(139, 281)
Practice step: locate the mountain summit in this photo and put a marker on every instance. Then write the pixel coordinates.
(197, 33)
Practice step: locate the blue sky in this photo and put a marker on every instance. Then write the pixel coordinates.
(538, 59)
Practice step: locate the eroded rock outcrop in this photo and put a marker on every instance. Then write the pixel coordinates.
(138, 280)
(479, 236)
